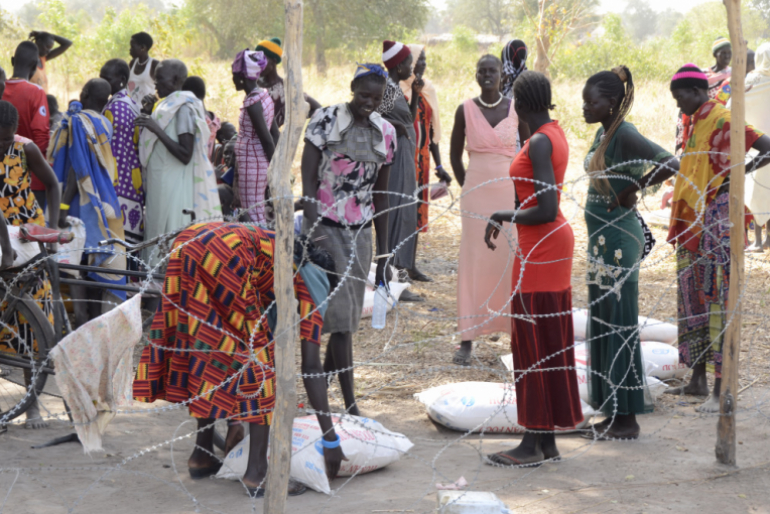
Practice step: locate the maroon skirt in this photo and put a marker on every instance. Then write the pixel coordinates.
(546, 382)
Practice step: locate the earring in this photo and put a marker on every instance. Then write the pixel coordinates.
(610, 111)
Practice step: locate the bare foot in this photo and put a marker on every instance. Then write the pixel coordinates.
(34, 419)
(754, 248)
(710, 406)
(699, 389)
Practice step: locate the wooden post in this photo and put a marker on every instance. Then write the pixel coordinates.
(279, 175)
(725, 448)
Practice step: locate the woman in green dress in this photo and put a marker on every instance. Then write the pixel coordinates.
(616, 247)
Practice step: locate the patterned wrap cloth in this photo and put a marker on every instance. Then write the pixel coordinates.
(211, 340)
(251, 157)
(81, 145)
(122, 111)
(700, 229)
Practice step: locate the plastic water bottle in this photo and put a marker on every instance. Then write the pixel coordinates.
(380, 310)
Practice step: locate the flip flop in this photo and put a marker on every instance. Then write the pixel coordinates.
(199, 473)
(512, 461)
(419, 276)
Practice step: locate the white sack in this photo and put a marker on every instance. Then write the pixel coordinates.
(365, 442)
(487, 407)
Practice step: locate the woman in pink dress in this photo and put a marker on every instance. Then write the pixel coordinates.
(488, 127)
(255, 145)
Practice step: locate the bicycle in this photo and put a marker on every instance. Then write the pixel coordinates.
(24, 361)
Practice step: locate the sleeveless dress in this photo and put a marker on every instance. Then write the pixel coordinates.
(483, 275)
(251, 158)
(546, 383)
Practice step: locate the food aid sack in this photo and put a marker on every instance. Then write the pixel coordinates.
(25, 252)
(649, 329)
(396, 288)
(487, 407)
(72, 252)
(652, 366)
(365, 442)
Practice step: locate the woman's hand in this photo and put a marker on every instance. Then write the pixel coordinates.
(493, 230)
(333, 458)
(417, 86)
(63, 223)
(146, 121)
(626, 198)
(148, 102)
(400, 129)
(442, 175)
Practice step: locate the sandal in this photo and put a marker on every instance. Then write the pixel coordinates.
(408, 296)
(504, 460)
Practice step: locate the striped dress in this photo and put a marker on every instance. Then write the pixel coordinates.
(210, 337)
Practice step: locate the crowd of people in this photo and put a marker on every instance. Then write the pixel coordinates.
(138, 149)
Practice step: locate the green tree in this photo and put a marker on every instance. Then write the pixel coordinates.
(485, 16)
(640, 19)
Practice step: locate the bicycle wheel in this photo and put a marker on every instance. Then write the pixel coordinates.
(22, 371)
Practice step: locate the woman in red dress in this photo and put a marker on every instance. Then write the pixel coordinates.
(546, 383)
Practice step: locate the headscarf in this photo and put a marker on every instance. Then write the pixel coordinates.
(249, 64)
(761, 61)
(514, 57)
(428, 92)
(362, 70)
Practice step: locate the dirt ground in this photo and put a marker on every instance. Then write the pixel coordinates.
(671, 468)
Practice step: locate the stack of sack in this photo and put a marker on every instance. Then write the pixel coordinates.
(490, 407)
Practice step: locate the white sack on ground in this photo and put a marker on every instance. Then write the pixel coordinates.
(650, 329)
(365, 442)
(94, 369)
(487, 407)
(661, 362)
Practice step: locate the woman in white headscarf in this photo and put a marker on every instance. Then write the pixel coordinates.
(758, 114)
(427, 126)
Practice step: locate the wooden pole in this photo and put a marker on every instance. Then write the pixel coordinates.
(279, 175)
(725, 448)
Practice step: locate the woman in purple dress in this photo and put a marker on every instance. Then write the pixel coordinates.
(121, 110)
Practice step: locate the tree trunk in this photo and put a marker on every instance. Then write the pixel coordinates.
(542, 62)
(320, 33)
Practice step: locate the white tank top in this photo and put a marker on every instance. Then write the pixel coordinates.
(142, 85)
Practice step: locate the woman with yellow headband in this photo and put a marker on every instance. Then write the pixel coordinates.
(273, 83)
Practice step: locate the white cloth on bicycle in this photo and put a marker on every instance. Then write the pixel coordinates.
(94, 367)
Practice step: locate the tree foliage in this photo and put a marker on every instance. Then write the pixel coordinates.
(485, 16)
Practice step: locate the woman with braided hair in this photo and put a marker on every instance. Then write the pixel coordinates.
(542, 336)
(617, 244)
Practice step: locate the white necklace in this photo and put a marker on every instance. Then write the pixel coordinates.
(145, 61)
(492, 105)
